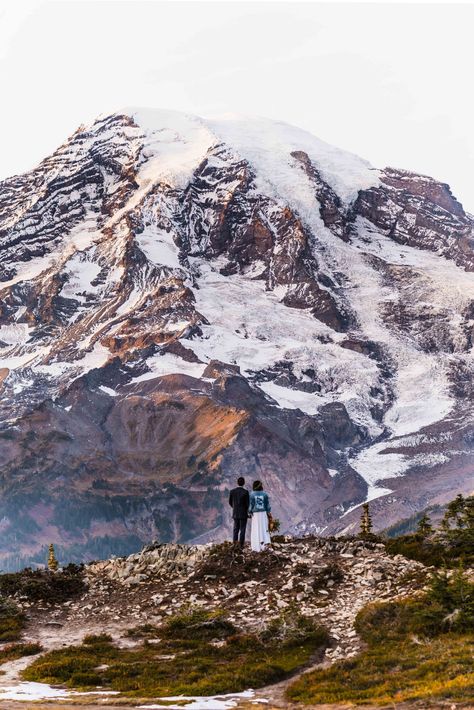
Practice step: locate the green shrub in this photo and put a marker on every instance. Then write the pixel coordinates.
(197, 623)
(97, 639)
(86, 680)
(43, 585)
(143, 631)
(428, 551)
(18, 650)
(394, 672)
(448, 605)
(450, 545)
(12, 620)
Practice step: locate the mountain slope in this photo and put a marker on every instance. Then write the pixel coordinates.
(184, 300)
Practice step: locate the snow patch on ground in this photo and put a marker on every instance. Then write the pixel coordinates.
(373, 492)
(108, 390)
(32, 692)
(374, 465)
(81, 271)
(197, 702)
(308, 402)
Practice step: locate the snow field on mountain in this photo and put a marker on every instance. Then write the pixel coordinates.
(14, 334)
(250, 327)
(158, 246)
(175, 143)
(166, 364)
(81, 272)
(267, 145)
(421, 386)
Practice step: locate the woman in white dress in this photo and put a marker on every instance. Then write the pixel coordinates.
(259, 509)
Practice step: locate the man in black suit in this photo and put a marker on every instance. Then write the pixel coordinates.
(239, 501)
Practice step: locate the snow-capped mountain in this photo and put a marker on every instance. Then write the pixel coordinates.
(186, 300)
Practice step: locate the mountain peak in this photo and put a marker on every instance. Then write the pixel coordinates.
(185, 298)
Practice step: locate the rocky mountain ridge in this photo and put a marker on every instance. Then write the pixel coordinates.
(185, 300)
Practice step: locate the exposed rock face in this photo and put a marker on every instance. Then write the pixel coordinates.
(183, 301)
(421, 212)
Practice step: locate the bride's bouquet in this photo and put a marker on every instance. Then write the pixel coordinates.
(273, 524)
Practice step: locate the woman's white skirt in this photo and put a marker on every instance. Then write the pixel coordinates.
(259, 537)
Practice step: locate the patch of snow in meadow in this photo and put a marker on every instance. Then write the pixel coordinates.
(26, 691)
(202, 702)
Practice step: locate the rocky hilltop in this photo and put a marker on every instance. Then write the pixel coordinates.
(326, 581)
(185, 300)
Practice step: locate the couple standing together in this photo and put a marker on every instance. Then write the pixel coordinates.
(255, 505)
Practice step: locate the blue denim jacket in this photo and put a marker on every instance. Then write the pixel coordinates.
(259, 502)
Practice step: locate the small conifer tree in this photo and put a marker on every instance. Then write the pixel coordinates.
(53, 564)
(365, 522)
(424, 527)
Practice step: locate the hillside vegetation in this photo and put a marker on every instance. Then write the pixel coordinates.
(450, 544)
(419, 647)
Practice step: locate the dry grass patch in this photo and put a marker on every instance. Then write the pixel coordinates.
(19, 650)
(199, 653)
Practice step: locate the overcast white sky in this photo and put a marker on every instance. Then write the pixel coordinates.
(391, 82)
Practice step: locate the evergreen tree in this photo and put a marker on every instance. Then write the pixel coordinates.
(365, 522)
(424, 527)
(454, 515)
(53, 564)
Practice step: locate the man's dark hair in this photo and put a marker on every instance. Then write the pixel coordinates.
(257, 486)
(240, 481)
